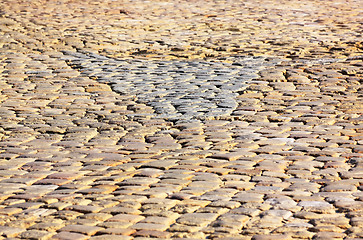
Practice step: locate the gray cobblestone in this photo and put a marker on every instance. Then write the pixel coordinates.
(176, 90)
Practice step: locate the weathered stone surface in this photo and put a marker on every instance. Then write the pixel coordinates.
(181, 119)
(87, 230)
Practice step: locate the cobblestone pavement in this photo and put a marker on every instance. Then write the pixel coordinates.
(181, 119)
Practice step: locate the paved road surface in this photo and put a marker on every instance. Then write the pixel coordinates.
(181, 119)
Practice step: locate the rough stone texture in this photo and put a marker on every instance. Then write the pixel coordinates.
(181, 119)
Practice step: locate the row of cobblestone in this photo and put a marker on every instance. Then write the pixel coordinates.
(190, 30)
